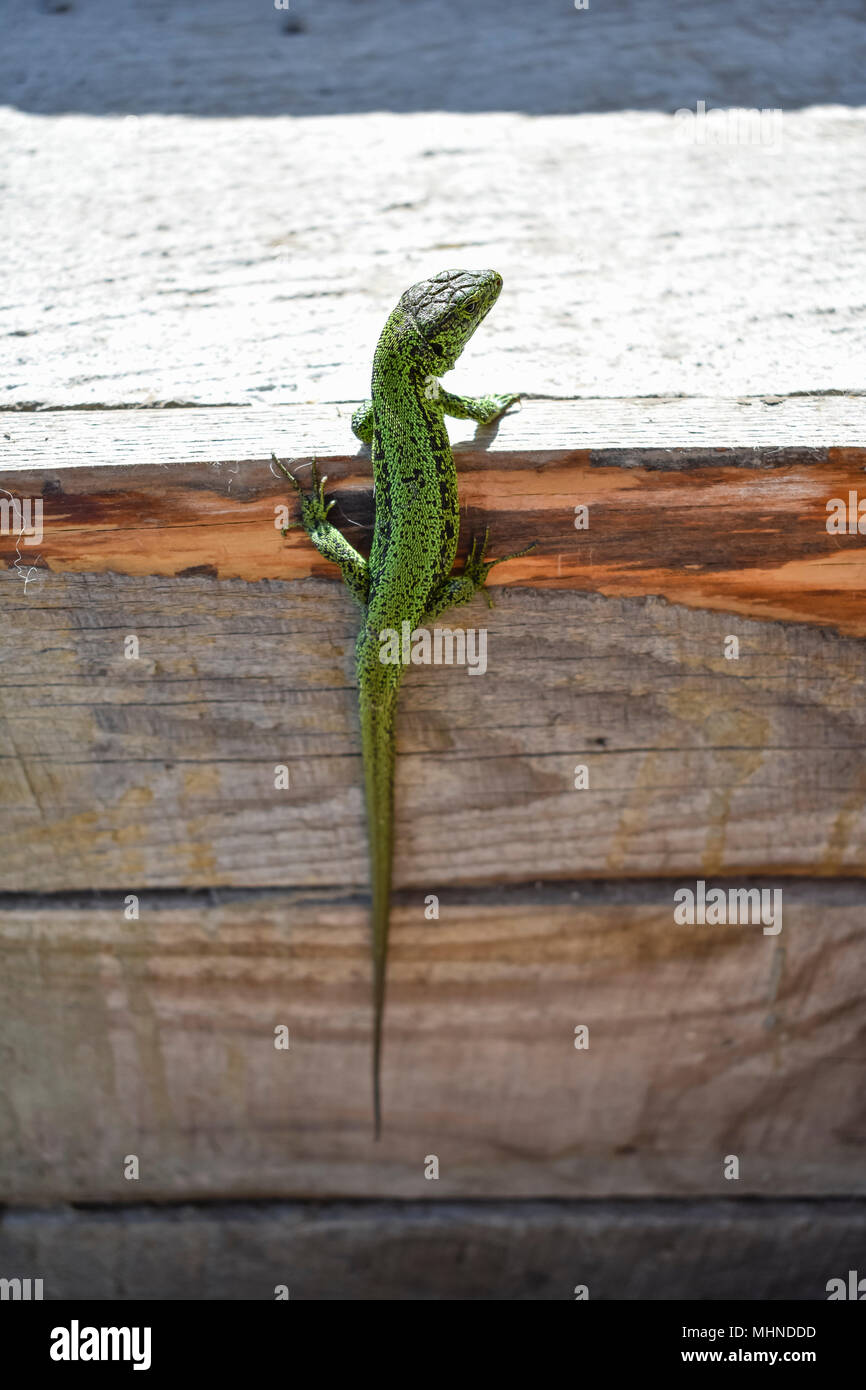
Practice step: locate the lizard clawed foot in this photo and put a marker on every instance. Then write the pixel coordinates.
(497, 406)
(515, 554)
(314, 508)
(476, 569)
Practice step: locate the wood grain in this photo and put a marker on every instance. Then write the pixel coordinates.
(156, 1038)
(440, 1250)
(129, 774)
(635, 262)
(719, 508)
(63, 439)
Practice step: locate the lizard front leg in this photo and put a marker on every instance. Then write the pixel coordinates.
(484, 409)
(460, 588)
(363, 423)
(325, 537)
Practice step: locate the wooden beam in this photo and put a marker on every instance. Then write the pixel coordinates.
(160, 771)
(433, 1250)
(63, 439)
(712, 505)
(155, 1037)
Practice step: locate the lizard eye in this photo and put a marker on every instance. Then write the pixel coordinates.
(470, 306)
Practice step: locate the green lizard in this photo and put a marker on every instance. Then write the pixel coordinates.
(408, 575)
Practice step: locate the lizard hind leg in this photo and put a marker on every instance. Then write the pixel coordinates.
(477, 569)
(314, 508)
(460, 588)
(325, 537)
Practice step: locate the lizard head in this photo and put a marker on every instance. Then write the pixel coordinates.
(446, 310)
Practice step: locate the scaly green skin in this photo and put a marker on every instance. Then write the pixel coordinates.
(408, 575)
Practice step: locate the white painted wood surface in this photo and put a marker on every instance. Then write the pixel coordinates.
(241, 260)
(53, 440)
(200, 207)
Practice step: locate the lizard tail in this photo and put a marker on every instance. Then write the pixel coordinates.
(377, 705)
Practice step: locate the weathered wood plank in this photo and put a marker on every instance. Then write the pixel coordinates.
(721, 508)
(155, 1037)
(636, 261)
(434, 1250)
(48, 440)
(394, 63)
(160, 771)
